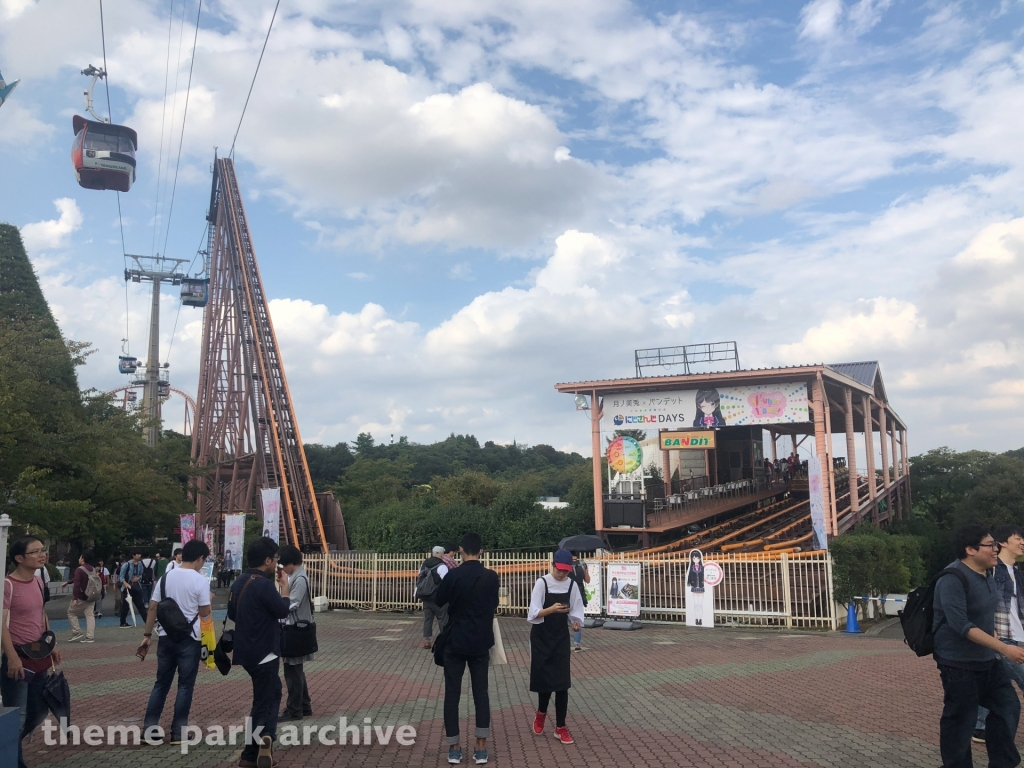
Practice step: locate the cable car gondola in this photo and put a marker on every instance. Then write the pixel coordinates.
(127, 364)
(133, 396)
(103, 154)
(163, 389)
(195, 291)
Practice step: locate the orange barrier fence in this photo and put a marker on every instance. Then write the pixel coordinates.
(781, 587)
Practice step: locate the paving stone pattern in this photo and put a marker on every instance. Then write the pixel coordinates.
(662, 696)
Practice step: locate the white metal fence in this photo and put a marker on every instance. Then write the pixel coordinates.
(769, 589)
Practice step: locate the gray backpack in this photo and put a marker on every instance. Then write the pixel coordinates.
(94, 587)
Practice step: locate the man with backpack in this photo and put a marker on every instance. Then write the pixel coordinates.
(148, 578)
(86, 593)
(181, 598)
(428, 580)
(967, 653)
(1010, 609)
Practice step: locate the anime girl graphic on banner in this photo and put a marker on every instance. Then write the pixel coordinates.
(271, 498)
(188, 529)
(701, 580)
(234, 538)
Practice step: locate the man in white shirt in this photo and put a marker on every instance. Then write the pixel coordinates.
(175, 561)
(191, 591)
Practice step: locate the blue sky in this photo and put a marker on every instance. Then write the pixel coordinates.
(457, 204)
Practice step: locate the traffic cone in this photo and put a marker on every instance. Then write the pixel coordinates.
(852, 627)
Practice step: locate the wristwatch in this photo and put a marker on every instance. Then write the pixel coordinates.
(147, 634)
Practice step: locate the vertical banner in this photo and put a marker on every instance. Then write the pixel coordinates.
(234, 538)
(594, 591)
(624, 589)
(208, 538)
(271, 498)
(814, 486)
(188, 529)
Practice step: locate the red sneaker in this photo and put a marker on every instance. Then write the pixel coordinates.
(562, 734)
(538, 722)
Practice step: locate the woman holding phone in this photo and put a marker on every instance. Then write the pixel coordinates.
(556, 604)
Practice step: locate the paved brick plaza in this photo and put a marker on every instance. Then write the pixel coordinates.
(662, 696)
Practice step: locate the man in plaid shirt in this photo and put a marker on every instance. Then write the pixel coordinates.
(1010, 608)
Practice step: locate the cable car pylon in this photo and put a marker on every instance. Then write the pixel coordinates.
(246, 433)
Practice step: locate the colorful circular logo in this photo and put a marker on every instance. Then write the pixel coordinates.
(624, 455)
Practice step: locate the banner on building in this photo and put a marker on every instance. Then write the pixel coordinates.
(234, 540)
(784, 403)
(624, 590)
(702, 439)
(188, 529)
(271, 498)
(594, 591)
(816, 487)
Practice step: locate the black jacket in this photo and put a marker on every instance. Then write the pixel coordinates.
(257, 631)
(471, 594)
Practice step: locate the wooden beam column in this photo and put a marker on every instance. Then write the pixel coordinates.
(595, 446)
(818, 414)
(904, 453)
(883, 439)
(869, 449)
(851, 451)
(831, 460)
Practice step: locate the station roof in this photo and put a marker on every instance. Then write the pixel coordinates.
(864, 376)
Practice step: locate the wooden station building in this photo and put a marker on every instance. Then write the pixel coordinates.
(711, 430)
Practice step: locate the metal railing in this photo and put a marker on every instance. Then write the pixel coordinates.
(759, 589)
(684, 504)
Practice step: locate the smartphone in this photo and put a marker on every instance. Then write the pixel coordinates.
(28, 674)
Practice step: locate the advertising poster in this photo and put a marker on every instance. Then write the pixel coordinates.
(624, 590)
(271, 498)
(188, 529)
(234, 538)
(701, 579)
(816, 488)
(208, 538)
(710, 408)
(594, 591)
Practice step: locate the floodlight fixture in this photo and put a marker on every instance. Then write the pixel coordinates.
(582, 404)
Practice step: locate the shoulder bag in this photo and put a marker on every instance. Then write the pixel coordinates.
(299, 639)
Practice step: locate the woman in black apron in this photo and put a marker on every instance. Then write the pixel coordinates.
(556, 604)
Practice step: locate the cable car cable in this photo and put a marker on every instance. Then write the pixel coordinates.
(184, 116)
(163, 123)
(231, 154)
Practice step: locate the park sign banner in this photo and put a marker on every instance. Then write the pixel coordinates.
(593, 591)
(784, 403)
(703, 439)
(234, 537)
(188, 529)
(271, 499)
(816, 489)
(623, 589)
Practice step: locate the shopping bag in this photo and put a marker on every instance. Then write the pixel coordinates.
(208, 638)
(497, 652)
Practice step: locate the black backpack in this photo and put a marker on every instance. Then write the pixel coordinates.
(170, 616)
(427, 581)
(148, 576)
(918, 617)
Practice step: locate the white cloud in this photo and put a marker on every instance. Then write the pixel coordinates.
(54, 233)
(819, 19)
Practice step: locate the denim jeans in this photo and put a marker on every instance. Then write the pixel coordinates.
(966, 689)
(1016, 672)
(26, 696)
(577, 636)
(181, 656)
(454, 668)
(266, 701)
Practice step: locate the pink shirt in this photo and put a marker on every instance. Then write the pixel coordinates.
(24, 600)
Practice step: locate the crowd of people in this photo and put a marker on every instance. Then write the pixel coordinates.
(173, 597)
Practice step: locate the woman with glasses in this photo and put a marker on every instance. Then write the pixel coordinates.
(24, 622)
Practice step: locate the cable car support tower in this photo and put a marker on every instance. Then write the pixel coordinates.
(246, 433)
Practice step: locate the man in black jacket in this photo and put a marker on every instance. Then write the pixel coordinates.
(471, 594)
(256, 608)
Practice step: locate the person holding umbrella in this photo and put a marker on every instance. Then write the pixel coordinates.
(556, 604)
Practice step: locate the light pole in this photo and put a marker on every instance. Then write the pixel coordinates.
(5, 525)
